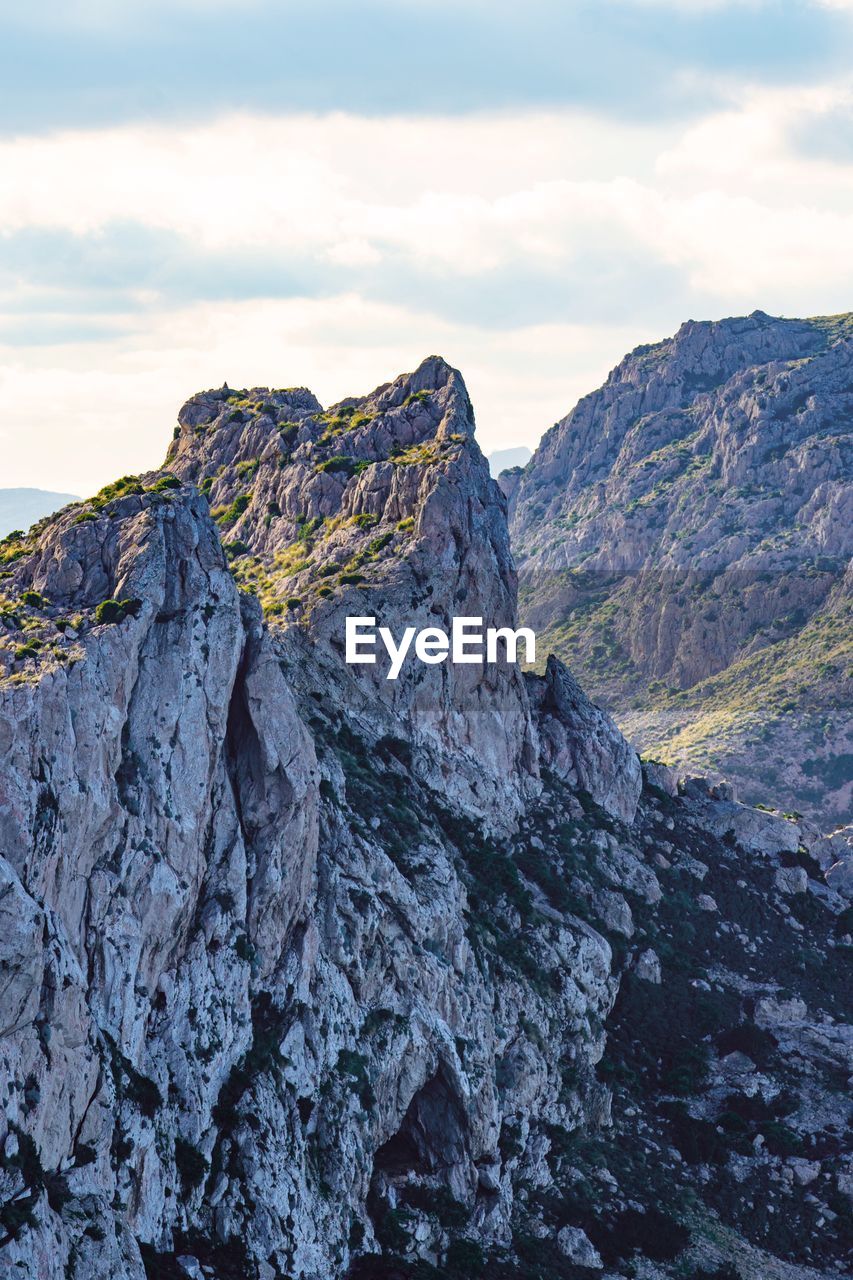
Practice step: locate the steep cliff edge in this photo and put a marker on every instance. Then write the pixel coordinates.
(683, 541)
(307, 976)
(379, 506)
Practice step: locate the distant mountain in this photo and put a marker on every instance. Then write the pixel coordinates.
(20, 508)
(504, 459)
(683, 540)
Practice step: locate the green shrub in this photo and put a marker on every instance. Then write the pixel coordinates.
(747, 1038)
(465, 1258)
(377, 544)
(226, 516)
(245, 949)
(307, 528)
(235, 548)
(780, 1140)
(440, 1203)
(339, 462)
(33, 599)
(115, 611)
(417, 397)
(167, 481)
(354, 1065)
(391, 1230)
(654, 1234)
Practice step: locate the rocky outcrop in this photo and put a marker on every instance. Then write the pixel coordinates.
(306, 976)
(582, 744)
(381, 506)
(683, 542)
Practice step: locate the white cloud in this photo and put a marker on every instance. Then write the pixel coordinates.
(721, 200)
(724, 204)
(79, 415)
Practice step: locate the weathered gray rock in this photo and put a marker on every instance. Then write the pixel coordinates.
(791, 880)
(383, 506)
(297, 970)
(648, 966)
(578, 1248)
(683, 535)
(582, 744)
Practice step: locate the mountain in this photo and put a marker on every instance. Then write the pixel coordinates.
(20, 508)
(683, 539)
(507, 459)
(308, 973)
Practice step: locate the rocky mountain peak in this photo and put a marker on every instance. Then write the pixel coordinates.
(380, 506)
(308, 977)
(692, 515)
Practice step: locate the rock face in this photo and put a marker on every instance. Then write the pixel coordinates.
(305, 973)
(582, 744)
(382, 506)
(683, 540)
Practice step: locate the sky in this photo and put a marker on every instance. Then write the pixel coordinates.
(279, 193)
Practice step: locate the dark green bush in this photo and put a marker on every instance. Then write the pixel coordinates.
(226, 516)
(115, 611)
(167, 481)
(339, 462)
(465, 1258)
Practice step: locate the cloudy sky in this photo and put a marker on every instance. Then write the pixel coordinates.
(322, 192)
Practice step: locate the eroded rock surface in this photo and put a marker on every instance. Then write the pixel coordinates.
(683, 540)
(303, 975)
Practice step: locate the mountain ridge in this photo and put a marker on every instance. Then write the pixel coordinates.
(303, 981)
(682, 538)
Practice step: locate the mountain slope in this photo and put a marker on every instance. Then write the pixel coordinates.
(20, 508)
(683, 539)
(306, 977)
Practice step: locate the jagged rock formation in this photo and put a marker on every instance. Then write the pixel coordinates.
(382, 506)
(309, 974)
(683, 540)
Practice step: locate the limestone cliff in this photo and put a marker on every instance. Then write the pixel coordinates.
(309, 974)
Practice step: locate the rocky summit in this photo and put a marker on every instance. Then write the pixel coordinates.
(684, 538)
(308, 974)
